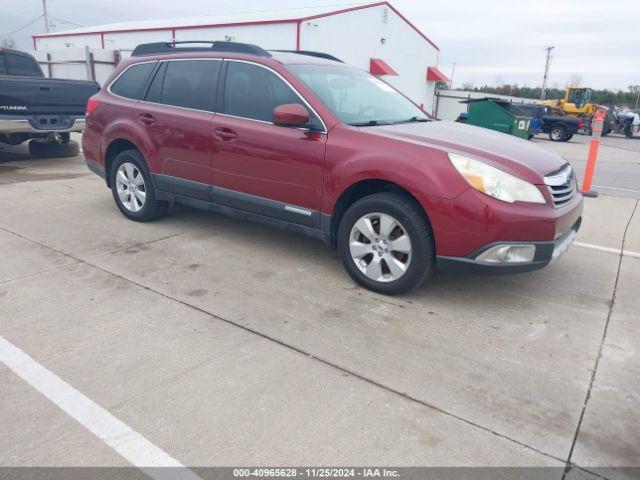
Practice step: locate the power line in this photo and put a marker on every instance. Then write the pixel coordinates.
(63, 21)
(22, 28)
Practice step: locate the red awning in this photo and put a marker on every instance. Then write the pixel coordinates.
(435, 75)
(380, 67)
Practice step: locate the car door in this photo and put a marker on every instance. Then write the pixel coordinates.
(176, 114)
(273, 170)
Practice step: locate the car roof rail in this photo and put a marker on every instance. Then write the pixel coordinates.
(215, 46)
(310, 53)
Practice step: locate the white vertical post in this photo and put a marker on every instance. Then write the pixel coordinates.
(87, 62)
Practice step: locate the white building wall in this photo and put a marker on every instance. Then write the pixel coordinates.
(355, 37)
(277, 36)
(127, 41)
(269, 36)
(69, 41)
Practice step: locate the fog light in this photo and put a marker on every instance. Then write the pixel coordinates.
(508, 254)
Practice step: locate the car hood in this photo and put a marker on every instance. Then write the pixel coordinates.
(511, 154)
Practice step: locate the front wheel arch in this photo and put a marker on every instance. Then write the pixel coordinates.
(361, 189)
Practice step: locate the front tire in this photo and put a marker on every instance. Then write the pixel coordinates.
(386, 243)
(132, 188)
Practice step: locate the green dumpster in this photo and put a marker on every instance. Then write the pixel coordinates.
(497, 114)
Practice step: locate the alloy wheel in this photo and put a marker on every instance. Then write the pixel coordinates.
(557, 134)
(380, 247)
(131, 188)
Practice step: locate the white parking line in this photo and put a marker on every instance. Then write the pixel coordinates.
(616, 188)
(616, 251)
(116, 434)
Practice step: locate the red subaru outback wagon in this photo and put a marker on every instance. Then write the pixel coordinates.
(301, 141)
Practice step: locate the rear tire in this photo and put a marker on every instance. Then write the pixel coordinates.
(132, 188)
(45, 149)
(558, 134)
(568, 137)
(628, 132)
(389, 258)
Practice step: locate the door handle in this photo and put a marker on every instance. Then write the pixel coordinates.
(225, 134)
(146, 119)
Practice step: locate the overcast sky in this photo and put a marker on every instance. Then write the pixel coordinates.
(498, 41)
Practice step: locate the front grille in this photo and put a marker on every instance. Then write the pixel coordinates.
(562, 185)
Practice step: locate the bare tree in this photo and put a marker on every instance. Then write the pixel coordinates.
(8, 42)
(468, 85)
(575, 80)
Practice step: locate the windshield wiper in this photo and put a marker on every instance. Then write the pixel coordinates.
(414, 119)
(370, 123)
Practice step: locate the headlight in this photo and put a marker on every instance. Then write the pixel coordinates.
(495, 182)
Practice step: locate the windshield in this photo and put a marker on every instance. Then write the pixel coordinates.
(356, 97)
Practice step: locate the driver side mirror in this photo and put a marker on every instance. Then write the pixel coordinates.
(290, 115)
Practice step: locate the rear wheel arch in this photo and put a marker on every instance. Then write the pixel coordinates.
(115, 148)
(361, 189)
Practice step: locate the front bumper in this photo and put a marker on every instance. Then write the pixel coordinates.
(41, 124)
(545, 253)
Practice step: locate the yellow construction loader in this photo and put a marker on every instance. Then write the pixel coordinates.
(577, 103)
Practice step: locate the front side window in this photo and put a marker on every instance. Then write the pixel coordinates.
(132, 82)
(3, 65)
(189, 84)
(254, 92)
(22, 66)
(356, 97)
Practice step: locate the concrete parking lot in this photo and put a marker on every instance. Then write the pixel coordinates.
(220, 342)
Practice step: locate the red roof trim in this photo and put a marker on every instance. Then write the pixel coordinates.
(377, 66)
(237, 24)
(435, 75)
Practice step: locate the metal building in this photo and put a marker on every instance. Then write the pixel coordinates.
(376, 37)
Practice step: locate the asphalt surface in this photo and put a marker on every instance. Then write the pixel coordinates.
(207, 341)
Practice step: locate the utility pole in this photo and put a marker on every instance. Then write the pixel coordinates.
(45, 15)
(543, 94)
(453, 69)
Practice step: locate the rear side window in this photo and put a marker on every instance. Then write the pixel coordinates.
(3, 65)
(254, 92)
(22, 66)
(188, 84)
(132, 82)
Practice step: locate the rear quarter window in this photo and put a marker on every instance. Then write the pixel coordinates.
(188, 84)
(131, 83)
(22, 66)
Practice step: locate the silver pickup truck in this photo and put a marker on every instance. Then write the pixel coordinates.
(41, 110)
